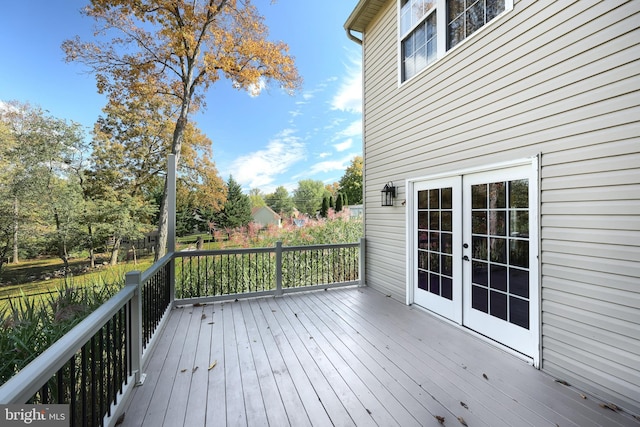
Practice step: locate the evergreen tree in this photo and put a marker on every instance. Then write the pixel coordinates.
(339, 202)
(325, 207)
(331, 205)
(237, 208)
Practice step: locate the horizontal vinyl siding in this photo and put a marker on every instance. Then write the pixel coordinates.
(384, 226)
(555, 79)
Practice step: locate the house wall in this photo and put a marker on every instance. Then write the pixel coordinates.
(266, 217)
(556, 79)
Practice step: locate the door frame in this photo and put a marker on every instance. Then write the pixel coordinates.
(534, 215)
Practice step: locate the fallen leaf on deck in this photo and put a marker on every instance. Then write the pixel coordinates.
(183, 370)
(197, 304)
(204, 316)
(462, 421)
(120, 419)
(440, 419)
(368, 411)
(583, 396)
(485, 376)
(464, 405)
(213, 364)
(194, 369)
(609, 406)
(211, 323)
(563, 382)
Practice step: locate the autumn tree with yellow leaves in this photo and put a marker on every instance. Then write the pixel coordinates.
(178, 49)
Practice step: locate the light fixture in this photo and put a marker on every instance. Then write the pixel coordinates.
(388, 193)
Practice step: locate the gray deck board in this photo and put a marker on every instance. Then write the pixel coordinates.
(342, 357)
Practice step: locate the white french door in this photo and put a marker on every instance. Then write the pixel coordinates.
(475, 252)
(438, 246)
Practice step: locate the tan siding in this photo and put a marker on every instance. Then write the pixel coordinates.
(560, 79)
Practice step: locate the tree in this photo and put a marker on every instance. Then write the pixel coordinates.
(257, 198)
(180, 48)
(308, 196)
(280, 201)
(237, 208)
(38, 149)
(324, 210)
(339, 202)
(6, 202)
(351, 181)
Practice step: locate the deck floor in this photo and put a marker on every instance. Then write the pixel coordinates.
(342, 357)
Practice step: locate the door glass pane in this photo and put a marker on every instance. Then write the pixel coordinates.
(497, 195)
(435, 246)
(447, 200)
(500, 250)
(479, 196)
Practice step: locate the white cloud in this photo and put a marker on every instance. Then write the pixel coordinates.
(331, 165)
(259, 169)
(354, 129)
(343, 145)
(349, 95)
(323, 155)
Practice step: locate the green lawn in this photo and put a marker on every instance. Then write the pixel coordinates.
(21, 275)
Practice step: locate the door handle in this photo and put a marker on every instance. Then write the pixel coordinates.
(465, 258)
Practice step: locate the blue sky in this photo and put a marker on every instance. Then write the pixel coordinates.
(265, 141)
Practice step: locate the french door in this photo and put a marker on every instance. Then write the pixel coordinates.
(475, 247)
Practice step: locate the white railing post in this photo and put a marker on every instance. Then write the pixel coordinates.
(133, 278)
(171, 192)
(361, 265)
(279, 268)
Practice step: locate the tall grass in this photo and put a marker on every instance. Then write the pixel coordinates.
(338, 227)
(31, 325)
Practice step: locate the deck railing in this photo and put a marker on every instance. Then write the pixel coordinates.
(234, 273)
(94, 367)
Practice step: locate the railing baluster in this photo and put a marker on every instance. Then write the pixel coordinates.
(83, 384)
(94, 392)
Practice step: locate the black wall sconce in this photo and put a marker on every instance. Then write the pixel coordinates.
(388, 193)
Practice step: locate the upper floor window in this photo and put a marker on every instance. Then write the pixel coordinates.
(464, 17)
(429, 28)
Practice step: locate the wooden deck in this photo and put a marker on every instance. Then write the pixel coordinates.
(342, 357)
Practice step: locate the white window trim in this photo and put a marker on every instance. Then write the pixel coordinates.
(441, 18)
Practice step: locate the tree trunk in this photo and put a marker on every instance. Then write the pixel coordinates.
(114, 251)
(92, 253)
(15, 260)
(62, 243)
(163, 227)
(135, 256)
